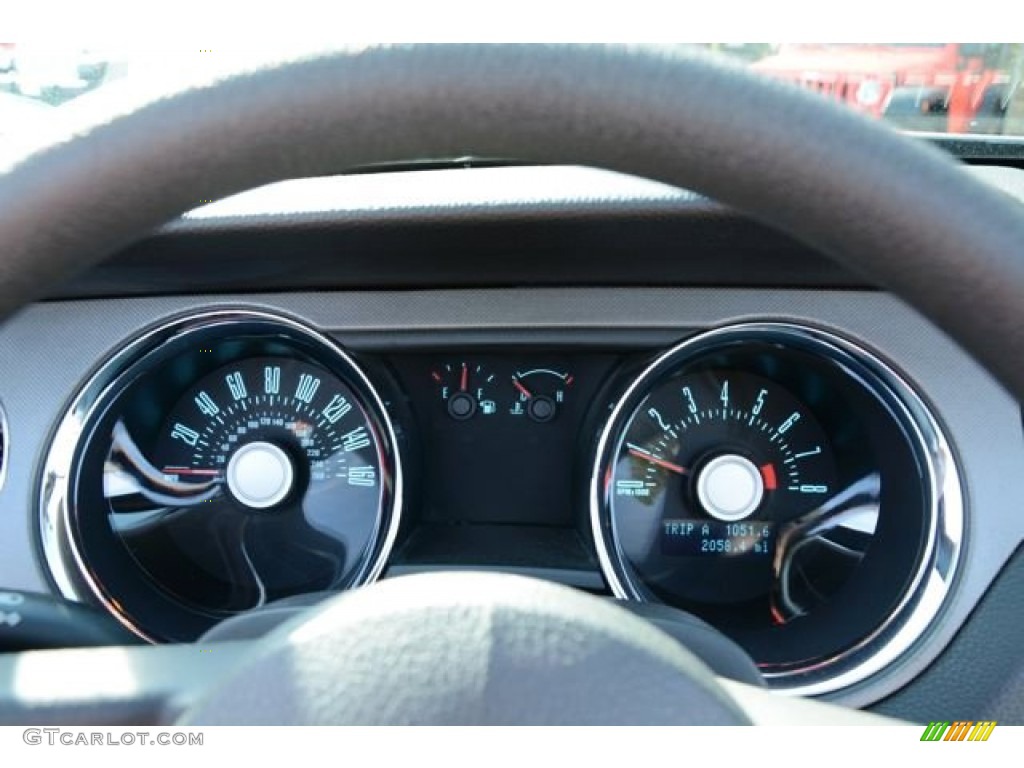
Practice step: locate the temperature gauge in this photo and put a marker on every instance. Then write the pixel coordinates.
(540, 393)
(464, 389)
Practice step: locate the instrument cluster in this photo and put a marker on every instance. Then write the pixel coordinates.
(780, 482)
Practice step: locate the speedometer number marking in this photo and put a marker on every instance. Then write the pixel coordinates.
(337, 408)
(236, 384)
(355, 440)
(307, 387)
(365, 477)
(271, 379)
(185, 434)
(206, 405)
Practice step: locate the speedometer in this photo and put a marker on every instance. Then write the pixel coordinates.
(264, 428)
(787, 487)
(221, 462)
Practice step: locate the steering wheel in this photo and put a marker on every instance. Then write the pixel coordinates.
(457, 648)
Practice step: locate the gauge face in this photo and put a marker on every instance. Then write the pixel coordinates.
(268, 474)
(234, 460)
(775, 481)
(713, 464)
(540, 393)
(466, 389)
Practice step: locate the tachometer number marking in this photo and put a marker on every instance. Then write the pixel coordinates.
(655, 414)
(236, 384)
(813, 489)
(758, 405)
(815, 452)
(724, 396)
(691, 404)
(337, 408)
(355, 440)
(784, 426)
(307, 387)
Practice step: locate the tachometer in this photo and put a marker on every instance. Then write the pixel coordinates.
(713, 464)
(787, 487)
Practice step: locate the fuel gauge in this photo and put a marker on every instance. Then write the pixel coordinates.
(540, 393)
(465, 389)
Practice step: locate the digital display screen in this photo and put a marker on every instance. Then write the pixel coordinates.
(697, 538)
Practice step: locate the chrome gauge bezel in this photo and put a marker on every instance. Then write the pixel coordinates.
(927, 591)
(67, 564)
(5, 445)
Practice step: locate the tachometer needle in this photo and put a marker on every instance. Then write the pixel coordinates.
(640, 453)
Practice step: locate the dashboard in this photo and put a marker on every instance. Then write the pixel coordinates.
(798, 459)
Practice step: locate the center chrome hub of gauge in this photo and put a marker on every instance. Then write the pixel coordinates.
(260, 475)
(730, 487)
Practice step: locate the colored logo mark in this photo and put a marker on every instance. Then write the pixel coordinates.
(961, 730)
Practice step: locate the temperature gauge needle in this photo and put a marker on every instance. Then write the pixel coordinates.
(522, 390)
(640, 453)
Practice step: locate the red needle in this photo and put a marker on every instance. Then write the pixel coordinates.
(525, 392)
(641, 454)
(464, 381)
(191, 471)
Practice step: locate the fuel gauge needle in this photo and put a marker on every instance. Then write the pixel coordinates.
(640, 453)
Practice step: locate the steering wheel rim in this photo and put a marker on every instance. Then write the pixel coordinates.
(900, 212)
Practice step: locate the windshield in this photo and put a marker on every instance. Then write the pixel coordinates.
(932, 87)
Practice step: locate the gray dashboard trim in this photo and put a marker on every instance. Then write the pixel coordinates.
(427, 229)
(442, 192)
(47, 350)
(458, 192)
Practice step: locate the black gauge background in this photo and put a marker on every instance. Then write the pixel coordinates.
(500, 470)
(143, 396)
(295, 555)
(867, 432)
(722, 580)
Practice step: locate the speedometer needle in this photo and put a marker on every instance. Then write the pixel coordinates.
(191, 471)
(640, 453)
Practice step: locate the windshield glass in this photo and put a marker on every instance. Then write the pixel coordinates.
(972, 88)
